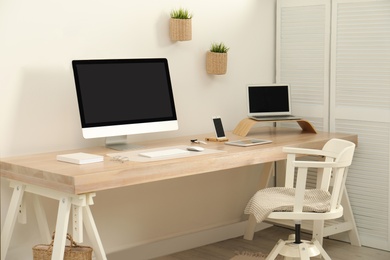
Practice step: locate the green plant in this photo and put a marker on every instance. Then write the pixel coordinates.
(180, 14)
(219, 47)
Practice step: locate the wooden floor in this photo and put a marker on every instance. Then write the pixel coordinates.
(264, 242)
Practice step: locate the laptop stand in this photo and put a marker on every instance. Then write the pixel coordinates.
(246, 124)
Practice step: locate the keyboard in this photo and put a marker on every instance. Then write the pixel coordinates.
(166, 152)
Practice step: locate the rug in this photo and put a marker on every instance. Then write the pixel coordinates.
(252, 256)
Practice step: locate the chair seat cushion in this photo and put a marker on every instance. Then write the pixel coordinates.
(282, 199)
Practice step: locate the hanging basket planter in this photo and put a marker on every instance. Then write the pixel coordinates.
(180, 25)
(180, 29)
(216, 59)
(216, 63)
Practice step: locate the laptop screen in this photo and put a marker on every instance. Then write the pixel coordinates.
(269, 100)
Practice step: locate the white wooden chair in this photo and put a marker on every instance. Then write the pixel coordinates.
(295, 202)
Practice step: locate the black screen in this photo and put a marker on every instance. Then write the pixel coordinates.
(124, 91)
(268, 99)
(219, 127)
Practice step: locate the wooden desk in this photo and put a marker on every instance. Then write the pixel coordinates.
(74, 185)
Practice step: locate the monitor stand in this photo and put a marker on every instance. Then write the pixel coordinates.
(120, 143)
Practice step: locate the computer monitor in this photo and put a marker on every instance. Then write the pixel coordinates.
(120, 97)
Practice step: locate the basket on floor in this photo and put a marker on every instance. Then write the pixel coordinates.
(72, 251)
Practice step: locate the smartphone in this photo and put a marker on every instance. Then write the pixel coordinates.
(219, 128)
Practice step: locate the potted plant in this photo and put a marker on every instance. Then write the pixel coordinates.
(180, 25)
(216, 59)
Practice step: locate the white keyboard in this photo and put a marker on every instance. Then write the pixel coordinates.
(161, 153)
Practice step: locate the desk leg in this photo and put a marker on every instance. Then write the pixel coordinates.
(80, 204)
(266, 175)
(10, 219)
(264, 180)
(250, 228)
(77, 223)
(42, 220)
(93, 234)
(61, 228)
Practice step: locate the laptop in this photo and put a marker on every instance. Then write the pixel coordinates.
(269, 102)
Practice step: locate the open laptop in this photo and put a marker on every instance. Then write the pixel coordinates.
(269, 102)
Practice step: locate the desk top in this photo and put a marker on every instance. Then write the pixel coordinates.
(44, 170)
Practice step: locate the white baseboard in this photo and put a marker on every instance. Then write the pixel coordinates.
(184, 242)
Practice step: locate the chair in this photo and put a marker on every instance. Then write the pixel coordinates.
(295, 202)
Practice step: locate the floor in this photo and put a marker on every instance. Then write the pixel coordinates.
(264, 242)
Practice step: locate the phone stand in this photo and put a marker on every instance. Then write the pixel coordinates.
(215, 139)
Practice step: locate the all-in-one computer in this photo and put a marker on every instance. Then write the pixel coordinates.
(120, 97)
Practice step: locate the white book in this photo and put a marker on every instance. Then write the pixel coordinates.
(80, 158)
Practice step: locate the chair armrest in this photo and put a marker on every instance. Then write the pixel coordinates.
(306, 151)
(314, 164)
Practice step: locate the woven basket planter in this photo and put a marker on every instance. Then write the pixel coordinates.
(180, 29)
(216, 63)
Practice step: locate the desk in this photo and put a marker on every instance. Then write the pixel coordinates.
(74, 186)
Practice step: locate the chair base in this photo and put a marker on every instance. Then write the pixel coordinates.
(290, 250)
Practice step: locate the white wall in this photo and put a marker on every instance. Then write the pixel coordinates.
(38, 106)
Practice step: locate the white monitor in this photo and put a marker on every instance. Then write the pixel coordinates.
(121, 97)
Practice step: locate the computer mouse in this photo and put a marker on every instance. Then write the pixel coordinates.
(195, 148)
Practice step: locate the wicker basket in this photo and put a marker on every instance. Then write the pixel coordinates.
(216, 63)
(72, 252)
(180, 29)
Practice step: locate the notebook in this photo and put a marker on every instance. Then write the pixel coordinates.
(269, 102)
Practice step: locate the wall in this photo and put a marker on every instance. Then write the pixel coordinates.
(38, 106)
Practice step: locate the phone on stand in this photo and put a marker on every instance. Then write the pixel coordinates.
(219, 128)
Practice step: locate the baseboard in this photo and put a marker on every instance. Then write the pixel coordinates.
(184, 242)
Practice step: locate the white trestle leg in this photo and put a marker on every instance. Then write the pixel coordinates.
(10, 219)
(77, 204)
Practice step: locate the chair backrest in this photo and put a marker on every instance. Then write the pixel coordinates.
(346, 151)
(339, 147)
(335, 158)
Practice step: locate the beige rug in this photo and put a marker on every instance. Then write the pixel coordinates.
(252, 256)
